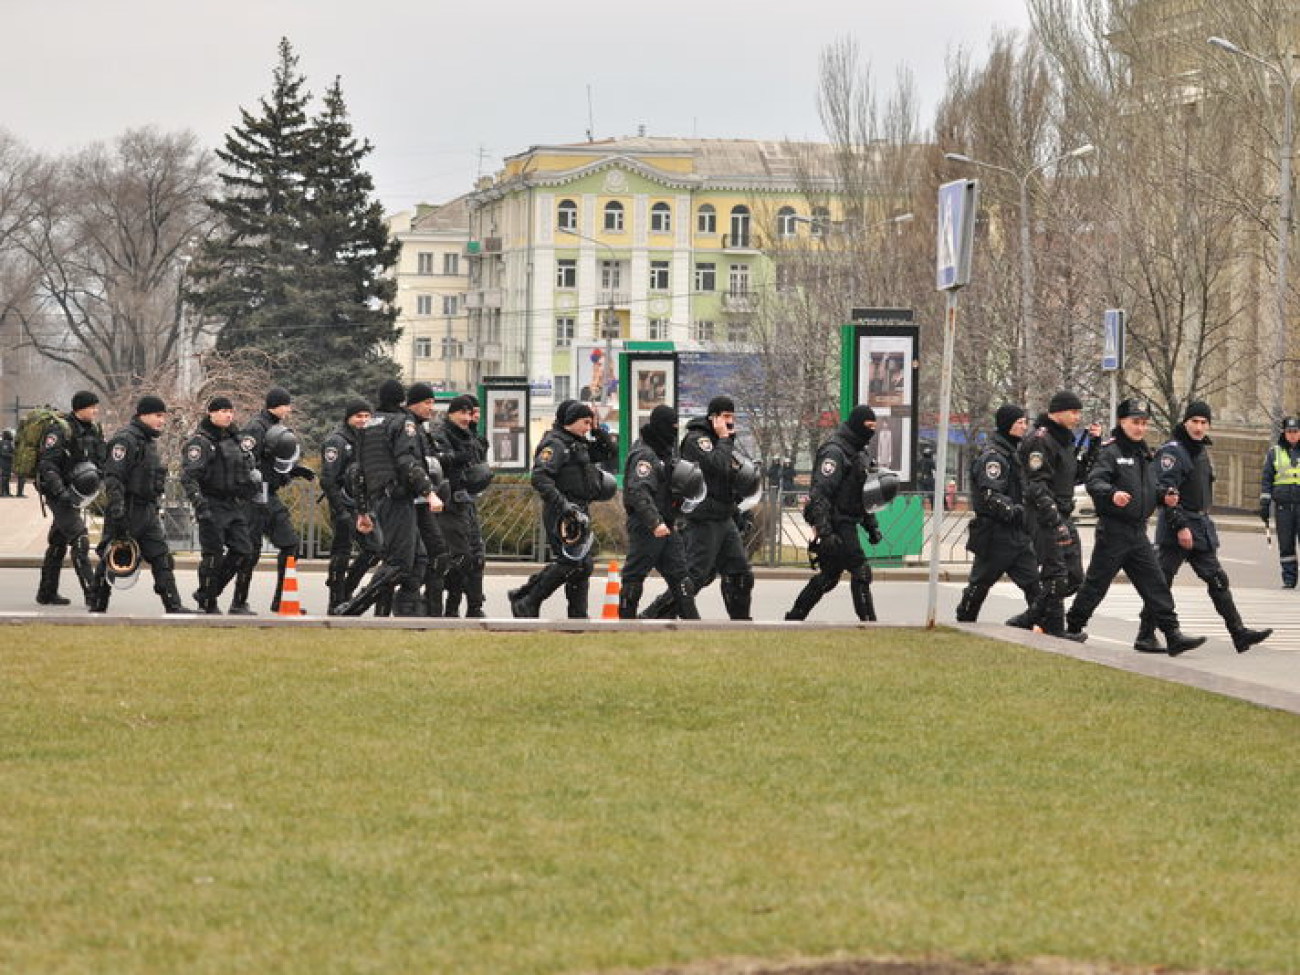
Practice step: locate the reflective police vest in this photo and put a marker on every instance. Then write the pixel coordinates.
(1285, 471)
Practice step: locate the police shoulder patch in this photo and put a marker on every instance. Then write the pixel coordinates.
(193, 452)
(51, 439)
(409, 428)
(643, 468)
(1166, 462)
(828, 466)
(119, 451)
(993, 470)
(1035, 460)
(546, 454)
(331, 454)
(706, 444)
(248, 442)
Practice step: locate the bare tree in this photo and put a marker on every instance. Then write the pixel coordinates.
(98, 286)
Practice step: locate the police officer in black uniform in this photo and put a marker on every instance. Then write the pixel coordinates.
(134, 481)
(835, 510)
(271, 444)
(431, 559)
(464, 465)
(67, 476)
(469, 581)
(1124, 486)
(1280, 490)
(393, 475)
(219, 480)
(999, 538)
(1185, 532)
(1053, 464)
(566, 477)
(339, 483)
(648, 499)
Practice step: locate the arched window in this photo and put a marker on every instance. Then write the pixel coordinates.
(739, 233)
(785, 222)
(661, 218)
(707, 220)
(614, 216)
(566, 215)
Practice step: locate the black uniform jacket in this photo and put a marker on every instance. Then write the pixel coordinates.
(1052, 466)
(1184, 464)
(647, 485)
(841, 466)
(1124, 465)
(563, 469)
(62, 448)
(997, 485)
(717, 459)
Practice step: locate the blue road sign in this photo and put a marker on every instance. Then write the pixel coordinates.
(1112, 340)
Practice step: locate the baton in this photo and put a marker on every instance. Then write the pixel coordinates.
(1268, 534)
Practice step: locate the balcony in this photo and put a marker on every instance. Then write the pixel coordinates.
(738, 302)
(746, 243)
(488, 245)
(619, 299)
(489, 298)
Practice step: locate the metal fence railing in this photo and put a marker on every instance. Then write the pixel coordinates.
(510, 511)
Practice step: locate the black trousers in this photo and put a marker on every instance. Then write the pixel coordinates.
(1007, 553)
(1124, 546)
(1287, 524)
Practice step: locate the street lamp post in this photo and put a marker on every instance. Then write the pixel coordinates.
(184, 338)
(1026, 259)
(1285, 211)
(611, 313)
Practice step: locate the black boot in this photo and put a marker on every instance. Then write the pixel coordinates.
(47, 592)
(380, 584)
(972, 598)
(737, 592)
(541, 586)
(83, 567)
(165, 587)
(243, 581)
(684, 590)
(863, 604)
(629, 597)
(206, 595)
(577, 593)
(1179, 642)
(662, 607)
(452, 594)
(811, 594)
(1243, 638)
(1145, 641)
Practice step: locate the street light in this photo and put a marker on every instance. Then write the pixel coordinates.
(611, 313)
(1285, 210)
(1026, 260)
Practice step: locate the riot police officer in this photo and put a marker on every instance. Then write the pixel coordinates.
(464, 464)
(134, 480)
(219, 479)
(275, 450)
(568, 480)
(393, 475)
(469, 581)
(68, 476)
(998, 537)
(1123, 484)
(431, 559)
(653, 469)
(1185, 532)
(835, 509)
(1280, 491)
(1052, 466)
(338, 481)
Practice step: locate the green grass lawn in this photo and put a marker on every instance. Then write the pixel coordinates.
(321, 801)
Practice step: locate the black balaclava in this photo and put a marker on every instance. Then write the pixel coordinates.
(661, 432)
(390, 396)
(855, 420)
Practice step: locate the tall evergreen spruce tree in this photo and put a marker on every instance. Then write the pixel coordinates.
(299, 271)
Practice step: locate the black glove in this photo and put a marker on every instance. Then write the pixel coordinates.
(829, 545)
(202, 514)
(1266, 509)
(1063, 536)
(875, 536)
(304, 472)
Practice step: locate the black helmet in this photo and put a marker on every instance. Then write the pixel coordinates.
(123, 561)
(84, 482)
(574, 528)
(477, 477)
(436, 476)
(746, 483)
(608, 486)
(878, 490)
(283, 448)
(688, 485)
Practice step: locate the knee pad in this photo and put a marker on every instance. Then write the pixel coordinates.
(741, 583)
(1218, 581)
(862, 574)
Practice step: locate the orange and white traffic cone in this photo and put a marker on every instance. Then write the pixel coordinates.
(613, 589)
(289, 594)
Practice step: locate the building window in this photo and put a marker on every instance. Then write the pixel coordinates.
(706, 277)
(450, 304)
(566, 215)
(424, 304)
(706, 221)
(608, 326)
(702, 331)
(738, 332)
(738, 279)
(785, 277)
(739, 233)
(566, 273)
(423, 347)
(661, 218)
(452, 348)
(424, 261)
(451, 263)
(611, 275)
(657, 329)
(821, 221)
(658, 275)
(562, 388)
(614, 216)
(563, 333)
(785, 222)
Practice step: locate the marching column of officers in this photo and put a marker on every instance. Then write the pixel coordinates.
(403, 494)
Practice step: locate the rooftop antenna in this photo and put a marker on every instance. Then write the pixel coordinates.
(591, 121)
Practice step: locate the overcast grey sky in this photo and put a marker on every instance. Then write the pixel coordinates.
(445, 90)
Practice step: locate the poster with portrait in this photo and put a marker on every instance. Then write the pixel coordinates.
(505, 412)
(652, 382)
(595, 377)
(892, 442)
(882, 358)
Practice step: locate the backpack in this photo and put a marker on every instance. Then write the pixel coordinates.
(30, 436)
